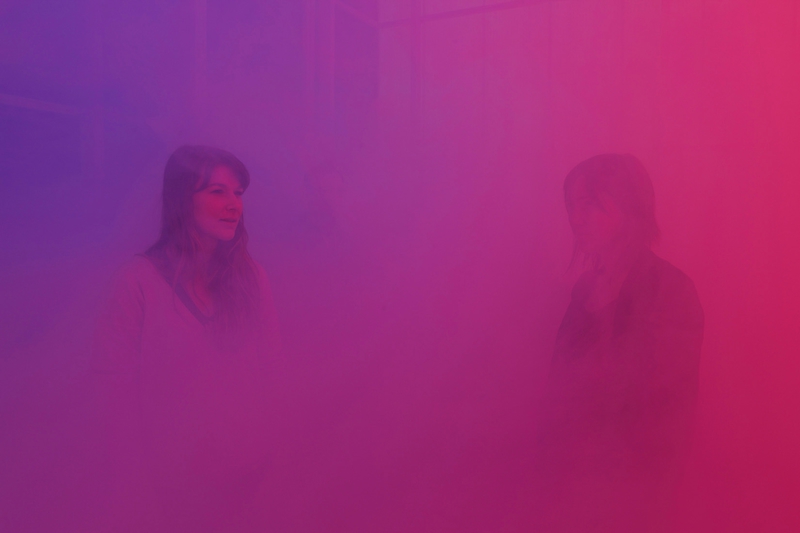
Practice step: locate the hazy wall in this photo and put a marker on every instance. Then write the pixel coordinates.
(420, 288)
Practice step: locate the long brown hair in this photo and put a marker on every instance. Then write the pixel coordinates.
(231, 274)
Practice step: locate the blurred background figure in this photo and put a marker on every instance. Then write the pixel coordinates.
(623, 383)
(181, 352)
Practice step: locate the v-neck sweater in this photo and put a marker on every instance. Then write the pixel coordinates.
(202, 406)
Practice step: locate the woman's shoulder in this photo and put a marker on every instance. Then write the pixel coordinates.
(139, 264)
(673, 279)
(119, 321)
(259, 270)
(677, 294)
(138, 268)
(262, 278)
(135, 276)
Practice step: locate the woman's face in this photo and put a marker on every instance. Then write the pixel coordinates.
(218, 206)
(595, 219)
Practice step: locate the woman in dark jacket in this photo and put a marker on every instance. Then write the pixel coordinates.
(623, 382)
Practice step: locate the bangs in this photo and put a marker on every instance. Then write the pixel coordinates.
(235, 166)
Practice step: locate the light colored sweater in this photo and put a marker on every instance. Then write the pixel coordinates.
(197, 411)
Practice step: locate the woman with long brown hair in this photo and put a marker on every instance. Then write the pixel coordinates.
(624, 377)
(182, 351)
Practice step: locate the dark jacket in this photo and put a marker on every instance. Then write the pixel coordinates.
(623, 386)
